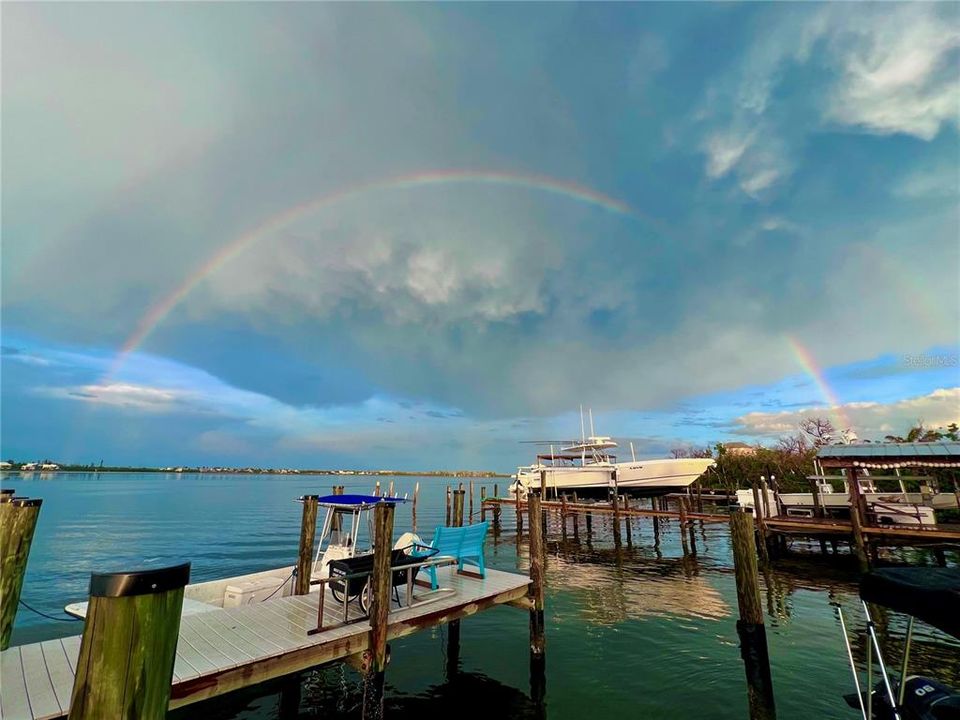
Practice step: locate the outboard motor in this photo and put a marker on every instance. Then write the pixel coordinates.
(924, 699)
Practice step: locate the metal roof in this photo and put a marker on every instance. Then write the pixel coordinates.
(892, 455)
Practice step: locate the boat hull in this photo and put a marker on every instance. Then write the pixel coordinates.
(639, 478)
(890, 508)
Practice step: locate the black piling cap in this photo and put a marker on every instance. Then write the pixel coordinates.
(139, 582)
(26, 502)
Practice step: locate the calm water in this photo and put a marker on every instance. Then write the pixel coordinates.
(631, 633)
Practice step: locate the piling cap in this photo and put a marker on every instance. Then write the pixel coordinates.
(25, 502)
(139, 582)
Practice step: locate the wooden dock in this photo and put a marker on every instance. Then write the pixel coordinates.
(225, 649)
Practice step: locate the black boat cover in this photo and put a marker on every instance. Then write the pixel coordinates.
(929, 594)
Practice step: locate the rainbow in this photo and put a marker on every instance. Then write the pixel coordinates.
(815, 372)
(156, 314)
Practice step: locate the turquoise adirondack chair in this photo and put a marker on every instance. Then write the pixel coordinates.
(463, 543)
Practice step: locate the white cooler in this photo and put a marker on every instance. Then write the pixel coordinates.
(252, 591)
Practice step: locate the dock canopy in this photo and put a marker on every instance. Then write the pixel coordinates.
(355, 500)
(929, 594)
(889, 456)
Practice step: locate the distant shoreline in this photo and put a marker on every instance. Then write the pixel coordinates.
(234, 471)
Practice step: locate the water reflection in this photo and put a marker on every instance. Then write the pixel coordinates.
(615, 584)
(336, 692)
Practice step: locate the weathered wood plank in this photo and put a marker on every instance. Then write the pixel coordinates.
(71, 648)
(213, 655)
(239, 635)
(237, 647)
(14, 702)
(265, 627)
(61, 674)
(43, 698)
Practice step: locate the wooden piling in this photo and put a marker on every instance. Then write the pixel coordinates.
(483, 509)
(655, 505)
(416, 496)
(765, 490)
(18, 520)
(470, 514)
(308, 530)
(449, 500)
(376, 488)
(335, 525)
(519, 514)
(615, 504)
(857, 506)
(538, 639)
(563, 516)
(453, 627)
(750, 627)
(379, 589)
(458, 508)
(129, 644)
(763, 546)
(626, 506)
(691, 529)
(682, 508)
(390, 490)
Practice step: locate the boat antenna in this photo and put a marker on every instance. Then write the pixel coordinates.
(583, 434)
(632, 453)
(592, 433)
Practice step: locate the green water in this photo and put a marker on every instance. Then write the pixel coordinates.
(632, 632)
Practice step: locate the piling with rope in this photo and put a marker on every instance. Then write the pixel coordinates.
(18, 520)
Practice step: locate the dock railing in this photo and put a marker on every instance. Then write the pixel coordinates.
(411, 572)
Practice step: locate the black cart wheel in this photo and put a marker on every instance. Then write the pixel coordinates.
(365, 599)
(337, 592)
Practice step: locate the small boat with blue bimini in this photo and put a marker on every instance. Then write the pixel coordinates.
(344, 550)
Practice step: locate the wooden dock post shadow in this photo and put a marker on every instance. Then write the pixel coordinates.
(308, 530)
(538, 641)
(18, 520)
(129, 644)
(750, 627)
(379, 608)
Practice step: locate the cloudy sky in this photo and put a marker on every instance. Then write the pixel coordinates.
(412, 235)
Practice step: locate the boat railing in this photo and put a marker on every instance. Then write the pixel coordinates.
(411, 570)
(878, 508)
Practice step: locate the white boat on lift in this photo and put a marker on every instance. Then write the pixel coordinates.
(588, 467)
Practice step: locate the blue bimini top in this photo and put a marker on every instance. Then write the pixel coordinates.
(355, 500)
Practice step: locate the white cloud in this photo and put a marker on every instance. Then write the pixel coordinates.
(888, 69)
(724, 151)
(125, 395)
(899, 71)
(870, 420)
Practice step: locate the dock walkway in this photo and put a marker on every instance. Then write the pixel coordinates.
(225, 649)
